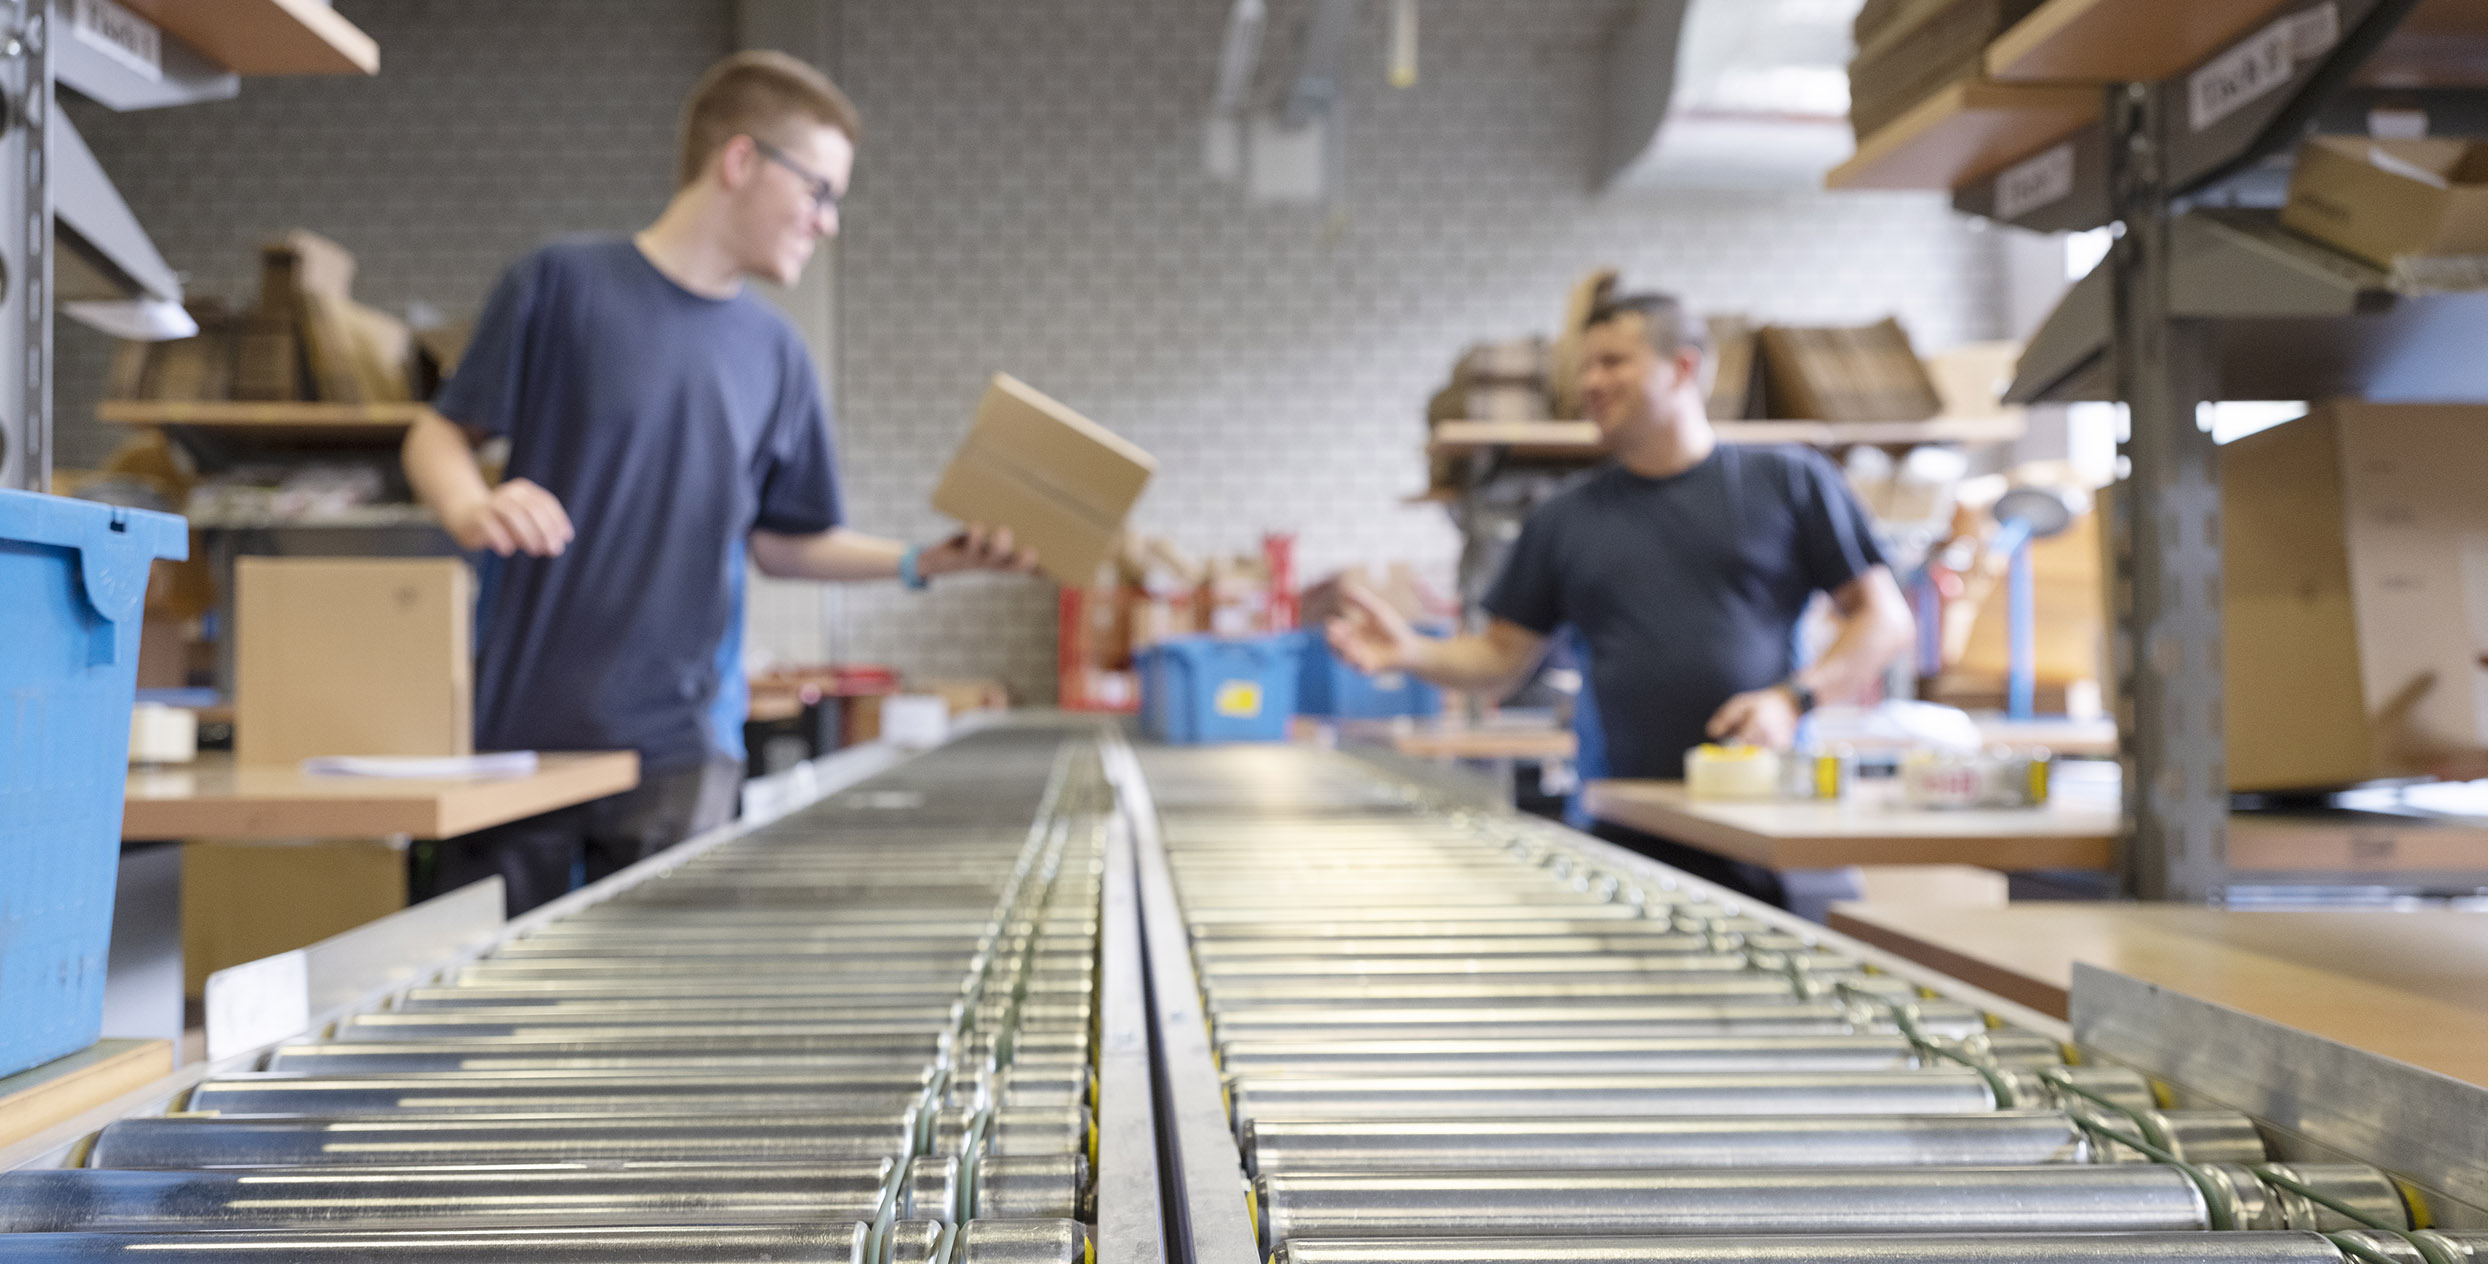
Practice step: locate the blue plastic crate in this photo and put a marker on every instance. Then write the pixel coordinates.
(1332, 689)
(73, 582)
(1199, 689)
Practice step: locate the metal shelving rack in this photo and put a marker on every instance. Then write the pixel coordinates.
(2202, 300)
(122, 59)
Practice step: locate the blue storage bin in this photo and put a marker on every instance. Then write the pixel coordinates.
(1215, 689)
(1332, 689)
(73, 582)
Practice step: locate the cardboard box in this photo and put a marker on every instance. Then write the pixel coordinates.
(1865, 373)
(241, 901)
(2384, 199)
(1920, 48)
(1062, 483)
(1733, 388)
(2355, 583)
(352, 656)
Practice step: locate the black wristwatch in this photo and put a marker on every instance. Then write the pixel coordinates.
(1799, 694)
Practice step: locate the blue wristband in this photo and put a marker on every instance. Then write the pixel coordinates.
(908, 575)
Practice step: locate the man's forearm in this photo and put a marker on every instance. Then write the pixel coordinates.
(1471, 663)
(1868, 642)
(836, 556)
(440, 466)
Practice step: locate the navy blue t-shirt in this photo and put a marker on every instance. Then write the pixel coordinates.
(1685, 590)
(670, 426)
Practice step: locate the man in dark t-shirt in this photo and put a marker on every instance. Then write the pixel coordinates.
(1683, 566)
(664, 426)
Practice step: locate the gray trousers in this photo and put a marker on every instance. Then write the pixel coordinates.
(536, 858)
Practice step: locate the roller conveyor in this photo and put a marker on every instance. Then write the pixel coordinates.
(875, 1030)
(777, 1049)
(1439, 1044)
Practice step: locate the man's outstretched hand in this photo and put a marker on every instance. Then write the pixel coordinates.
(1369, 634)
(977, 548)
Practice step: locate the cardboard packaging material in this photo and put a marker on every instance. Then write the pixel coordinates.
(352, 656)
(241, 901)
(1866, 373)
(1063, 484)
(2355, 584)
(1734, 390)
(2383, 200)
(1912, 51)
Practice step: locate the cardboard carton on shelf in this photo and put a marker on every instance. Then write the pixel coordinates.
(2355, 592)
(1862, 373)
(2385, 200)
(241, 901)
(352, 656)
(1063, 484)
(1908, 52)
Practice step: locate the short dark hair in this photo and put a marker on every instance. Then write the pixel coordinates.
(753, 92)
(1664, 320)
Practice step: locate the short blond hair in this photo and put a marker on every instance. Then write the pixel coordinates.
(753, 92)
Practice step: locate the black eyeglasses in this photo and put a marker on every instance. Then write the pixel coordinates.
(824, 194)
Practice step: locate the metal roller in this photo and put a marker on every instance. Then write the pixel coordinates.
(1854, 1052)
(1630, 938)
(791, 1055)
(1023, 1187)
(1680, 988)
(519, 1091)
(1036, 1241)
(1927, 1092)
(2117, 1248)
(87, 1199)
(184, 1141)
(793, 1244)
(917, 1242)
(1999, 1138)
(1784, 1016)
(2128, 1198)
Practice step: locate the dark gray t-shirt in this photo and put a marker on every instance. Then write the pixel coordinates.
(670, 425)
(1686, 590)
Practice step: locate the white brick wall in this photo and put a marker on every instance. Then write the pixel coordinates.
(1030, 199)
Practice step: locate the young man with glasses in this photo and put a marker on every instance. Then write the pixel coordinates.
(665, 425)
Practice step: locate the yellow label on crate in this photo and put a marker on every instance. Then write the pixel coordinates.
(1238, 699)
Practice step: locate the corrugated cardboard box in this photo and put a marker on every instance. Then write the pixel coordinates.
(1866, 373)
(241, 901)
(352, 656)
(2385, 199)
(2356, 594)
(1060, 482)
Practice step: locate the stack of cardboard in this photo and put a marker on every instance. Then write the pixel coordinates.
(1865, 373)
(1908, 50)
(1496, 381)
(2419, 206)
(305, 339)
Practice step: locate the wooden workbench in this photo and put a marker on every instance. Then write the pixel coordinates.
(1830, 835)
(2298, 846)
(214, 798)
(2409, 985)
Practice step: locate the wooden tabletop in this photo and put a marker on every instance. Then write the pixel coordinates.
(2410, 985)
(2061, 835)
(1456, 742)
(215, 798)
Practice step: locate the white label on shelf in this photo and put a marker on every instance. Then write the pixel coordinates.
(257, 1002)
(2253, 69)
(2314, 32)
(2042, 181)
(120, 35)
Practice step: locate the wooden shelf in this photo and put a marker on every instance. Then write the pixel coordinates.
(1967, 131)
(246, 414)
(267, 37)
(1559, 439)
(2122, 41)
